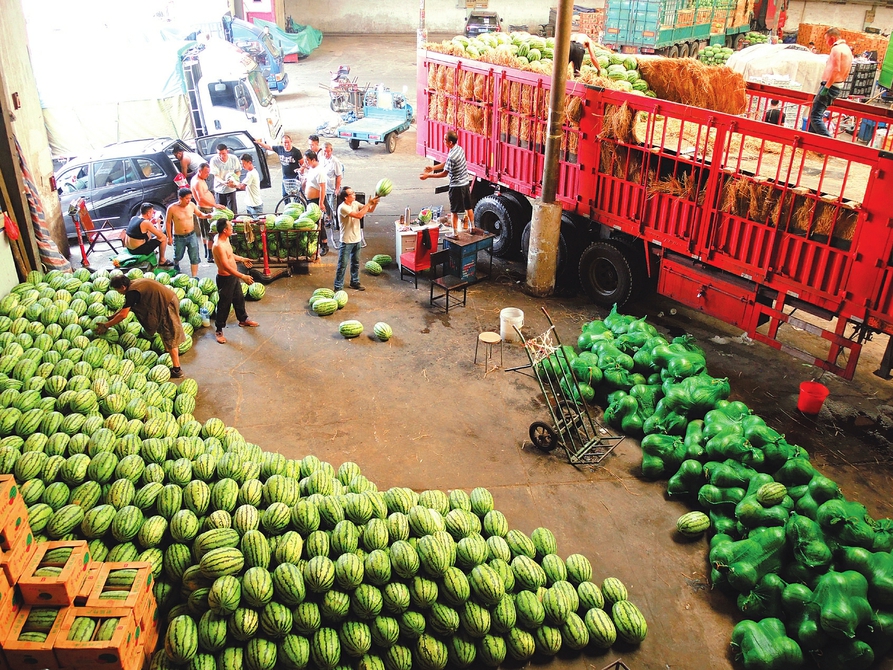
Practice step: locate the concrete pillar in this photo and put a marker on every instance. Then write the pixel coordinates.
(542, 257)
(545, 226)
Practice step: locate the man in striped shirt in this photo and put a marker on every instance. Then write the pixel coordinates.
(457, 169)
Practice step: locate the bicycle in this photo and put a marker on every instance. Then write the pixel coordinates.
(293, 193)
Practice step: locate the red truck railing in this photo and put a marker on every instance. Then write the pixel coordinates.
(746, 221)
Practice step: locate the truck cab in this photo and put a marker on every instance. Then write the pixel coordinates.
(257, 42)
(228, 91)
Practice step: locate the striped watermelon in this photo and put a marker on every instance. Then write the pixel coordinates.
(181, 640)
(325, 649)
(629, 622)
(222, 561)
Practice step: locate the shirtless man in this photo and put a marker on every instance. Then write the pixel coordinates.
(315, 191)
(228, 284)
(837, 69)
(206, 204)
(180, 228)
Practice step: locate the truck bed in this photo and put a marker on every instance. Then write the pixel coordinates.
(783, 210)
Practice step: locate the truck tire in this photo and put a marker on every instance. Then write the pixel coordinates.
(500, 216)
(390, 142)
(673, 52)
(683, 50)
(524, 207)
(606, 274)
(695, 49)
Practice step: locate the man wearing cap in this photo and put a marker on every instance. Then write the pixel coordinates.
(180, 228)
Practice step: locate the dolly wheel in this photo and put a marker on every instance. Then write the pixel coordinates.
(543, 436)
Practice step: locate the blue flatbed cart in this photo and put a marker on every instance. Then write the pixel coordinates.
(378, 125)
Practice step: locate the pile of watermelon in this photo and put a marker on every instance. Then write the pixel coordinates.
(531, 52)
(261, 561)
(290, 235)
(810, 569)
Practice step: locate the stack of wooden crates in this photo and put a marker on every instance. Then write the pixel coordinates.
(61, 611)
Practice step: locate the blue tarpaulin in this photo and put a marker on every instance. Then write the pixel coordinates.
(302, 43)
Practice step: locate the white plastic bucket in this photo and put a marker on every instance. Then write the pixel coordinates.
(509, 319)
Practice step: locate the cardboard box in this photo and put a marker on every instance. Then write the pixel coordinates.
(93, 569)
(115, 654)
(13, 514)
(61, 589)
(10, 605)
(15, 561)
(139, 594)
(21, 654)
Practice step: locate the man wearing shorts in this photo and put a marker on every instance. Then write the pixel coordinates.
(180, 228)
(457, 169)
(206, 204)
(140, 228)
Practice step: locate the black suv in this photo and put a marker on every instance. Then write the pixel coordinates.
(117, 179)
(480, 22)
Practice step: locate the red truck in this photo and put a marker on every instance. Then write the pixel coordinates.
(746, 221)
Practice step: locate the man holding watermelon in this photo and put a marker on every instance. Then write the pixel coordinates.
(157, 308)
(350, 213)
(456, 168)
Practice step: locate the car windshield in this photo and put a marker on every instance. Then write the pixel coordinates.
(271, 45)
(261, 90)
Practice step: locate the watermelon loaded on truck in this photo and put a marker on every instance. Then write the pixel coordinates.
(741, 220)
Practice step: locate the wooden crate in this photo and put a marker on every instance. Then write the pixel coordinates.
(685, 17)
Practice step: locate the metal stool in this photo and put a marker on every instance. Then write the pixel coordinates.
(489, 339)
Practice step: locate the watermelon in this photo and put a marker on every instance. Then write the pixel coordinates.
(350, 329)
(382, 331)
(693, 524)
(373, 268)
(383, 187)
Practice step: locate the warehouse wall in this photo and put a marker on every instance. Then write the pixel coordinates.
(848, 17)
(27, 121)
(402, 16)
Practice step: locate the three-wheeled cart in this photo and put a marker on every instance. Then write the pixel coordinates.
(378, 125)
(583, 438)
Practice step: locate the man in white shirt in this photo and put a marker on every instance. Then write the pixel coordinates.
(224, 166)
(334, 171)
(251, 185)
(315, 191)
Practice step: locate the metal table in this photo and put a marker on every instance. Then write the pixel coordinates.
(464, 248)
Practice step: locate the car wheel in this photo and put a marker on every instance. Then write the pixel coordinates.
(354, 144)
(390, 142)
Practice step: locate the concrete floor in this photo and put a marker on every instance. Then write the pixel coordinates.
(417, 412)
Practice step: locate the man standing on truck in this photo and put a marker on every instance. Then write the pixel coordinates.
(456, 167)
(837, 69)
(225, 168)
(206, 204)
(289, 157)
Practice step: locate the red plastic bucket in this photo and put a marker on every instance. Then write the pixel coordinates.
(812, 395)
